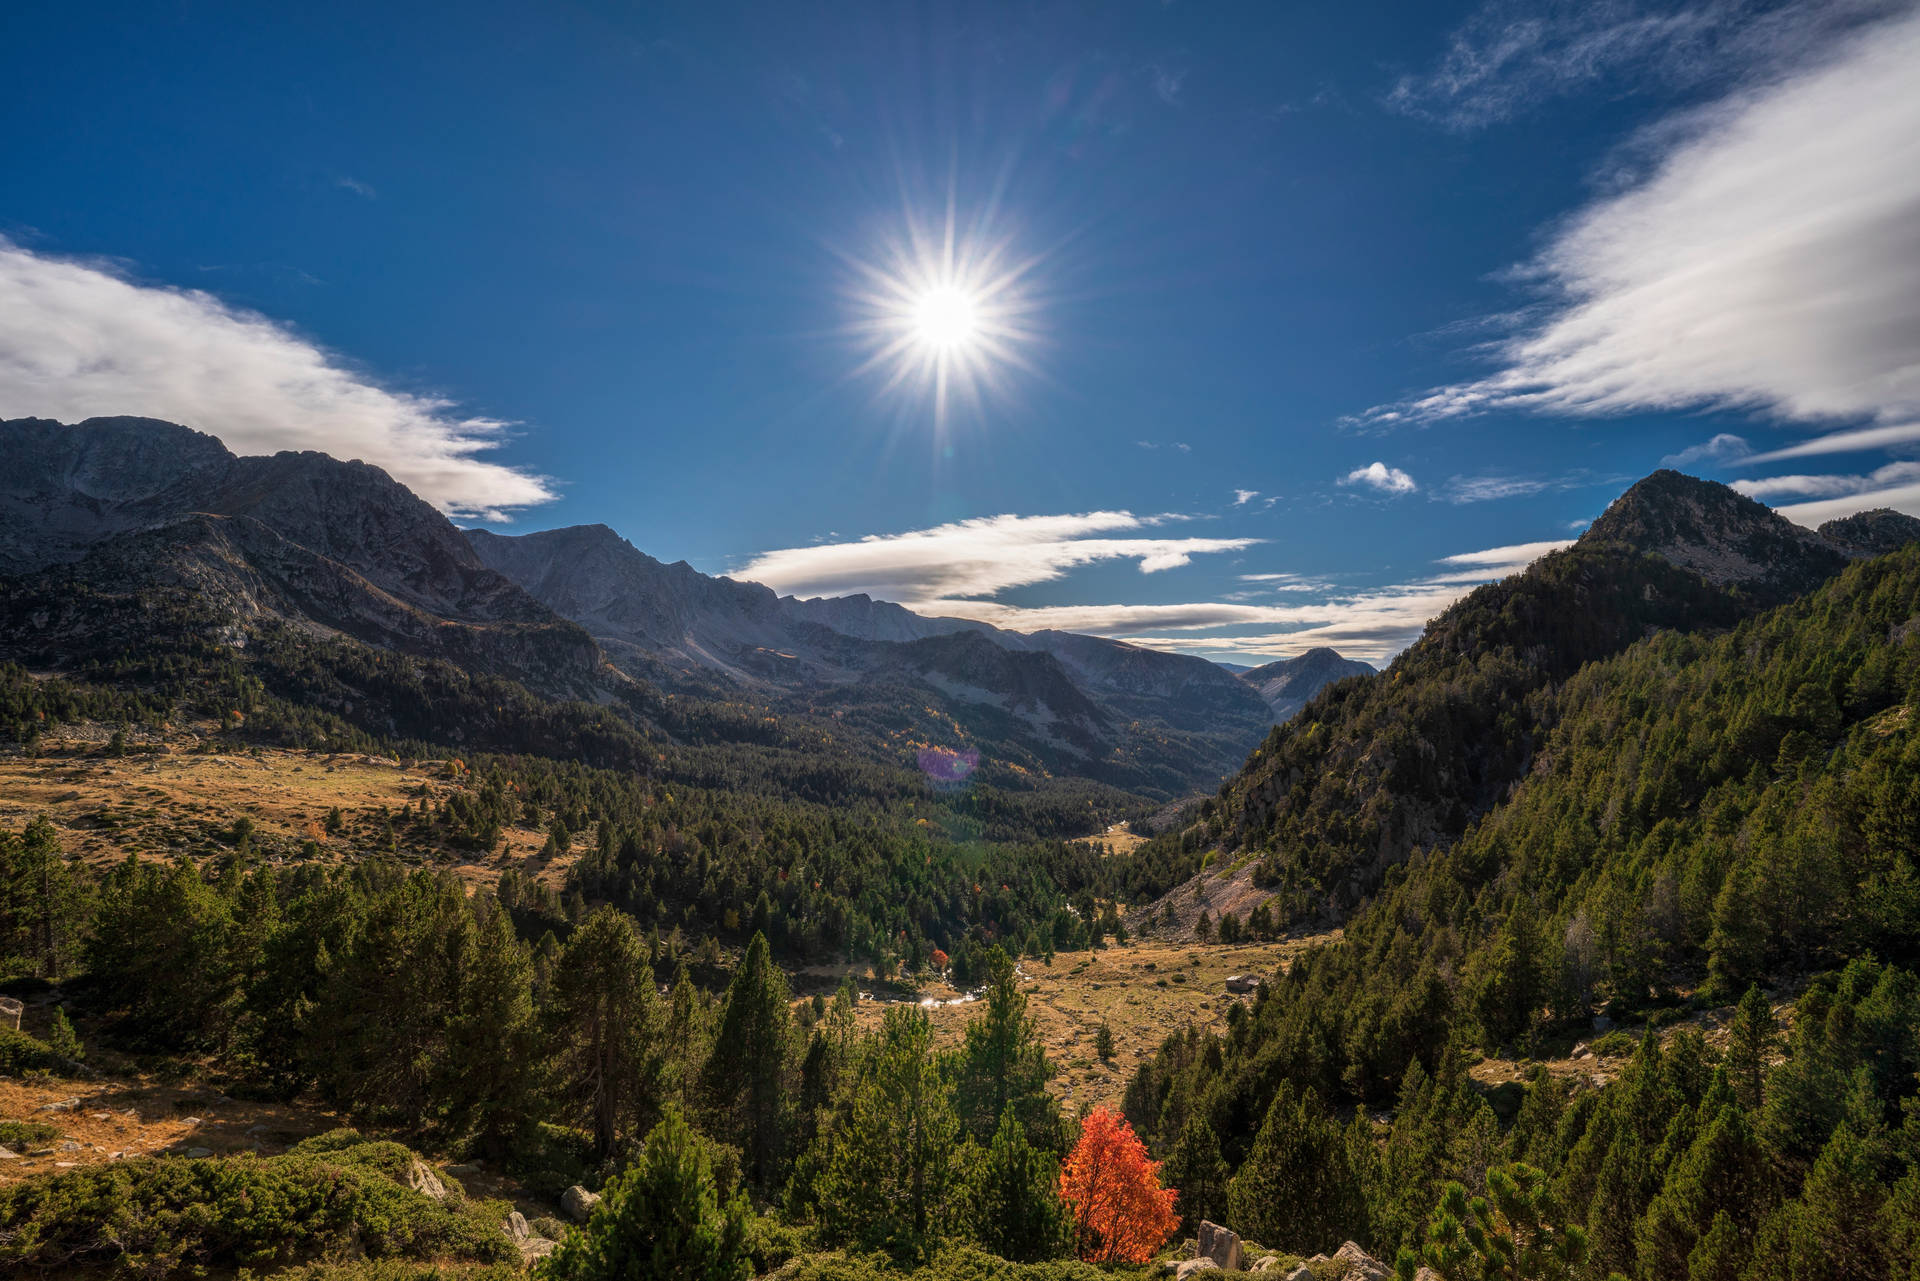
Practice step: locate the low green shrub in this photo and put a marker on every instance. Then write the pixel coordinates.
(153, 1217)
(20, 1053)
(26, 1134)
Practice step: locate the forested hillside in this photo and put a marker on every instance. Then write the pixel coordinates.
(1708, 813)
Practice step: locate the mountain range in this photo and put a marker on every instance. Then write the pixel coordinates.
(104, 521)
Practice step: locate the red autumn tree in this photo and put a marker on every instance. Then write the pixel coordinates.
(1121, 1214)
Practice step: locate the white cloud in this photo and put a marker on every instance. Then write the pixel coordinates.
(1241, 497)
(974, 558)
(1769, 259)
(1722, 448)
(1830, 486)
(1844, 442)
(1901, 498)
(1372, 624)
(79, 340)
(1388, 480)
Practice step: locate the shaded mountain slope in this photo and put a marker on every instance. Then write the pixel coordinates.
(1370, 771)
(1288, 684)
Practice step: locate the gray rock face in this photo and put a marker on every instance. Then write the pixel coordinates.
(579, 1203)
(421, 1178)
(1289, 684)
(1222, 1245)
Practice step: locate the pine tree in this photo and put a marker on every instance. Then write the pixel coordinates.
(1103, 1043)
(604, 1022)
(1751, 1042)
(1196, 1168)
(1001, 1064)
(1724, 1172)
(1838, 1213)
(746, 1074)
(62, 1039)
(1517, 1232)
(494, 1061)
(888, 1161)
(661, 1218)
(42, 900)
(1721, 1253)
(1013, 1198)
(1296, 1191)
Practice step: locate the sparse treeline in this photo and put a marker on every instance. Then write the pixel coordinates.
(416, 1008)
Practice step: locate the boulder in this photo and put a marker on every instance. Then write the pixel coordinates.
(1193, 1267)
(579, 1203)
(534, 1249)
(424, 1181)
(1361, 1266)
(197, 1154)
(516, 1226)
(1427, 1274)
(1222, 1245)
(1265, 1264)
(1303, 1272)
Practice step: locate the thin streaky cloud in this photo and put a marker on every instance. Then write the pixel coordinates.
(1241, 497)
(1856, 441)
(1767, 259)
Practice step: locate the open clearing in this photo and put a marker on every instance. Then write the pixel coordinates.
(176, 800)
(1143, 992)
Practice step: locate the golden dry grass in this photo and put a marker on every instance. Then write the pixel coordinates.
(177, 801)
(1143, 992)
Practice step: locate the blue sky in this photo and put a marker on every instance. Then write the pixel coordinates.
(1319, 314)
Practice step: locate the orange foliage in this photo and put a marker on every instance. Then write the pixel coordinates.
(1121, 1214)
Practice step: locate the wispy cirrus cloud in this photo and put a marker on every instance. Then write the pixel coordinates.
(1767, 257)
(80, 339)
(1241, 497)
(976, 558)
(1513, 55)
(1380, 478)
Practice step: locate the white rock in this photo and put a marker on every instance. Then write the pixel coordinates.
(424, 1181)
(579, 1203)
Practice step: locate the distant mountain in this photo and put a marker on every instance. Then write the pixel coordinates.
(1182, 721)
(1289, 683)
(1872, 533)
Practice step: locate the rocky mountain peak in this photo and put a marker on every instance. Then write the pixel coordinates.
(1722, 535)
(1288, 685)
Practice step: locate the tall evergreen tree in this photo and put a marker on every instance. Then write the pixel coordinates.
(1751, 1043)
(494, 1053)
(1296, 1190)
(604, 1020)
(1013, 1197)
(1001, 1064)
(42, 900)
(1195, 1167)
(746, 1073)
(888, 1163)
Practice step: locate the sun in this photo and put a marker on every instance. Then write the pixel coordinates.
(947, 315)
